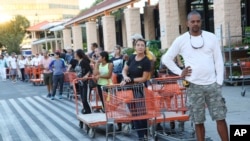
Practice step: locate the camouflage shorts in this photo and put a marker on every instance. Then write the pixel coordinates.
(200, 96)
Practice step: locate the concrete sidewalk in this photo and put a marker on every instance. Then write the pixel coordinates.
(238, 110)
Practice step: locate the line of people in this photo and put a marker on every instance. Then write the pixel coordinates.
(204, 72)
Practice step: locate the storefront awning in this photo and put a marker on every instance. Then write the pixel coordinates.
(41, 41)
(100, 9)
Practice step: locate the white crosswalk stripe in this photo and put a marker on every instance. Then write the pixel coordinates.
(12, 119)
(4, 126)
(38, 118)
(42, 136)
(56, 119)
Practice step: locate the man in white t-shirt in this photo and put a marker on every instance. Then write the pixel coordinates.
(204, 70)
(3, 65)
(36, 60)
(13, 67)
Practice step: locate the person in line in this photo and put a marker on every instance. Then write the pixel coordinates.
(7, 58)
(29, 61)
(93, 47)
(47, 73)
(118, 63)
(102, 73)
(149, 54)
(204, 71)
(71, 60)
(28, 65)
(3, 66)
(69, 55)
(137, 70)
(83, 70)
(36, 60)
(21, 65)
(96, 55)
(13, 67)
(58, 67)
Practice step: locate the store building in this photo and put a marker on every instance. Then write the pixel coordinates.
(114, 21)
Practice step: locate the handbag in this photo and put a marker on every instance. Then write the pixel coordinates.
(92, 84)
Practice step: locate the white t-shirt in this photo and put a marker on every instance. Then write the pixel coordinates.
(36, 61)
(206, 62)
(13, 63)
(28, 62)
(21, 63)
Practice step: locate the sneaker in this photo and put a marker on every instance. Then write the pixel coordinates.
(49, 95)
(52, 97)
(60, 97)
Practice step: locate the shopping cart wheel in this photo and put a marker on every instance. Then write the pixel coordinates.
(155, 138)
(34, 83)
(91, 132)
(243, 93)
(81, 124)
(126, 128)
(172, 125)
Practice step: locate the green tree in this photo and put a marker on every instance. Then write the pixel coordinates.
(13, 32)
(87, 8)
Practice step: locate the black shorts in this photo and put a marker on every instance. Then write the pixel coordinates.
(47, 78)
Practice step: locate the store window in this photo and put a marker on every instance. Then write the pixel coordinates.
(206, 9)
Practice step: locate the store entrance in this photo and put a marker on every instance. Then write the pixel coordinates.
(245, 13)
(206, 9)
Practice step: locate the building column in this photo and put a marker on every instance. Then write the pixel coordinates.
(182, 8)
(67, 38)
(109, 32)
(77, 37)
(169, 21)
(57, 47)
(228, 12)
(91, 32)
(124, 33)
(133, 23)
(149, 25)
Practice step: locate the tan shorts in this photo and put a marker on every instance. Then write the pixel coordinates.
(200, 96)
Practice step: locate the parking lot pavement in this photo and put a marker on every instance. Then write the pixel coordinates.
(238, 110)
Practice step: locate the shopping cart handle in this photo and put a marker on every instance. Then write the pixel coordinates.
(77, 79)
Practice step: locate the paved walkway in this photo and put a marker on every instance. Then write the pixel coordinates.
(26, 114)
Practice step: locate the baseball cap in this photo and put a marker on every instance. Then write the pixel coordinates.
(136, 36)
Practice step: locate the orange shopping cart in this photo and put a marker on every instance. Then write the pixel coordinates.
(68, 83)
(128, 103)
(37, 76)
(172, 105)
(245, 72)
(91, 121)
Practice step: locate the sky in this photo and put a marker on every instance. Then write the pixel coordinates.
(87, 3)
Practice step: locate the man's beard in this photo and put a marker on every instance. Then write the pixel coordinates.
(196, 29)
